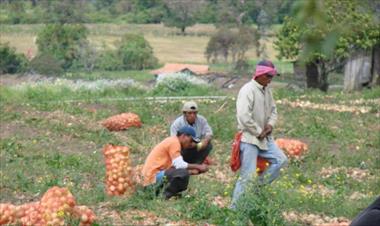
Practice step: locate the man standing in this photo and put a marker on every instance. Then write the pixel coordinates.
(256, 116)
(165, 161)
(197, 152)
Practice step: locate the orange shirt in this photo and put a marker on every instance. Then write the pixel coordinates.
(160, 158)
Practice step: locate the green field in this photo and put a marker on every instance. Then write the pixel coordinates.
(167, 44)
(46, 140)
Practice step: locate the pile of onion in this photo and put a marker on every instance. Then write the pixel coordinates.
(293, 148)
(54, 205)
(119, 172)
(122, 121)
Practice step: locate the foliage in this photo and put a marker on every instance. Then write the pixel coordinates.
(11, 62)
(135, 11)
(63, 41)
(261, 205)
(180, 13)
(87, 57)
(109, 61)
(179, 84)
(325, 33)
(46, 64)
(322, 35)
(136, 53)
(63, 11)
(227, 43)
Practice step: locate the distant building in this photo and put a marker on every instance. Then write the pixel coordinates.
(193, 69)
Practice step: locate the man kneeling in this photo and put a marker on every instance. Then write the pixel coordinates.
(165, 163)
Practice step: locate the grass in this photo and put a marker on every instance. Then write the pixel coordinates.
(45, 141)
(140, 76)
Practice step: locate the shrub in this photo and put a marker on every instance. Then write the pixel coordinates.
(62, 41)
(11, 62)
(262, 205)
(46, 64)
(180, 84)
(87, 57)
(109, 61)
(136, 53)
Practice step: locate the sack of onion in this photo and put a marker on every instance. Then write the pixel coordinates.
(122, 121)
(56, 204)
(292, 148)
(119, 171)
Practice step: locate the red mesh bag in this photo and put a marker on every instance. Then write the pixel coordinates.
(122, 121)
(235, 156)
(235, 152)
(54, 206)
(119, 172)
(292, 148)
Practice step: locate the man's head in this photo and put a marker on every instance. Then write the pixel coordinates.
(190, 110)
(186, 136)
(265, 71)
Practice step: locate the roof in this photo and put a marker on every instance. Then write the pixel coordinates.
(172, 68)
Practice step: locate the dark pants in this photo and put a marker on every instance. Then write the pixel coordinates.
(369, 216)
(192, 155)
(177, 180)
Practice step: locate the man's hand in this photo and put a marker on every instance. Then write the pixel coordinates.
(203, 168)
(266, 131)
(202, 144)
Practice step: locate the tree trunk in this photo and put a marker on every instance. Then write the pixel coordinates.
(376, 66)
(299, 69)
(312, 75)
(323, 77)
(183, 30)
(357, 71)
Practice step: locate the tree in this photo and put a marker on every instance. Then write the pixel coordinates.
(11, 62)
(181, 13)
(136, 53)
(64, 11)
(232, 44)
(324, 34)
(63, 41)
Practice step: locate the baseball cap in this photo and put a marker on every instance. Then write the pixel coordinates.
(190, 106)
(188, 130)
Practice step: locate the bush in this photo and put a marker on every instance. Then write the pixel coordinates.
(136, 53)
(180, 84)
(11, 62)
(46, 64)
(62, 41)
(109, 61)
(261, 204)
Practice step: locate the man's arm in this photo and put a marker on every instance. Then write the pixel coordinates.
(179, 163)
(271, 122)
(244, 109)
(273, 116)
(174, 128)
(207, 131)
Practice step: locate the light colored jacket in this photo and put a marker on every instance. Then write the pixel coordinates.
(201, 126)
(255, 108)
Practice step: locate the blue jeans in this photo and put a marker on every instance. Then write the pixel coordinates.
(248, 158)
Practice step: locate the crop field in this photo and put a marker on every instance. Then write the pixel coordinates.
(51, 135)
